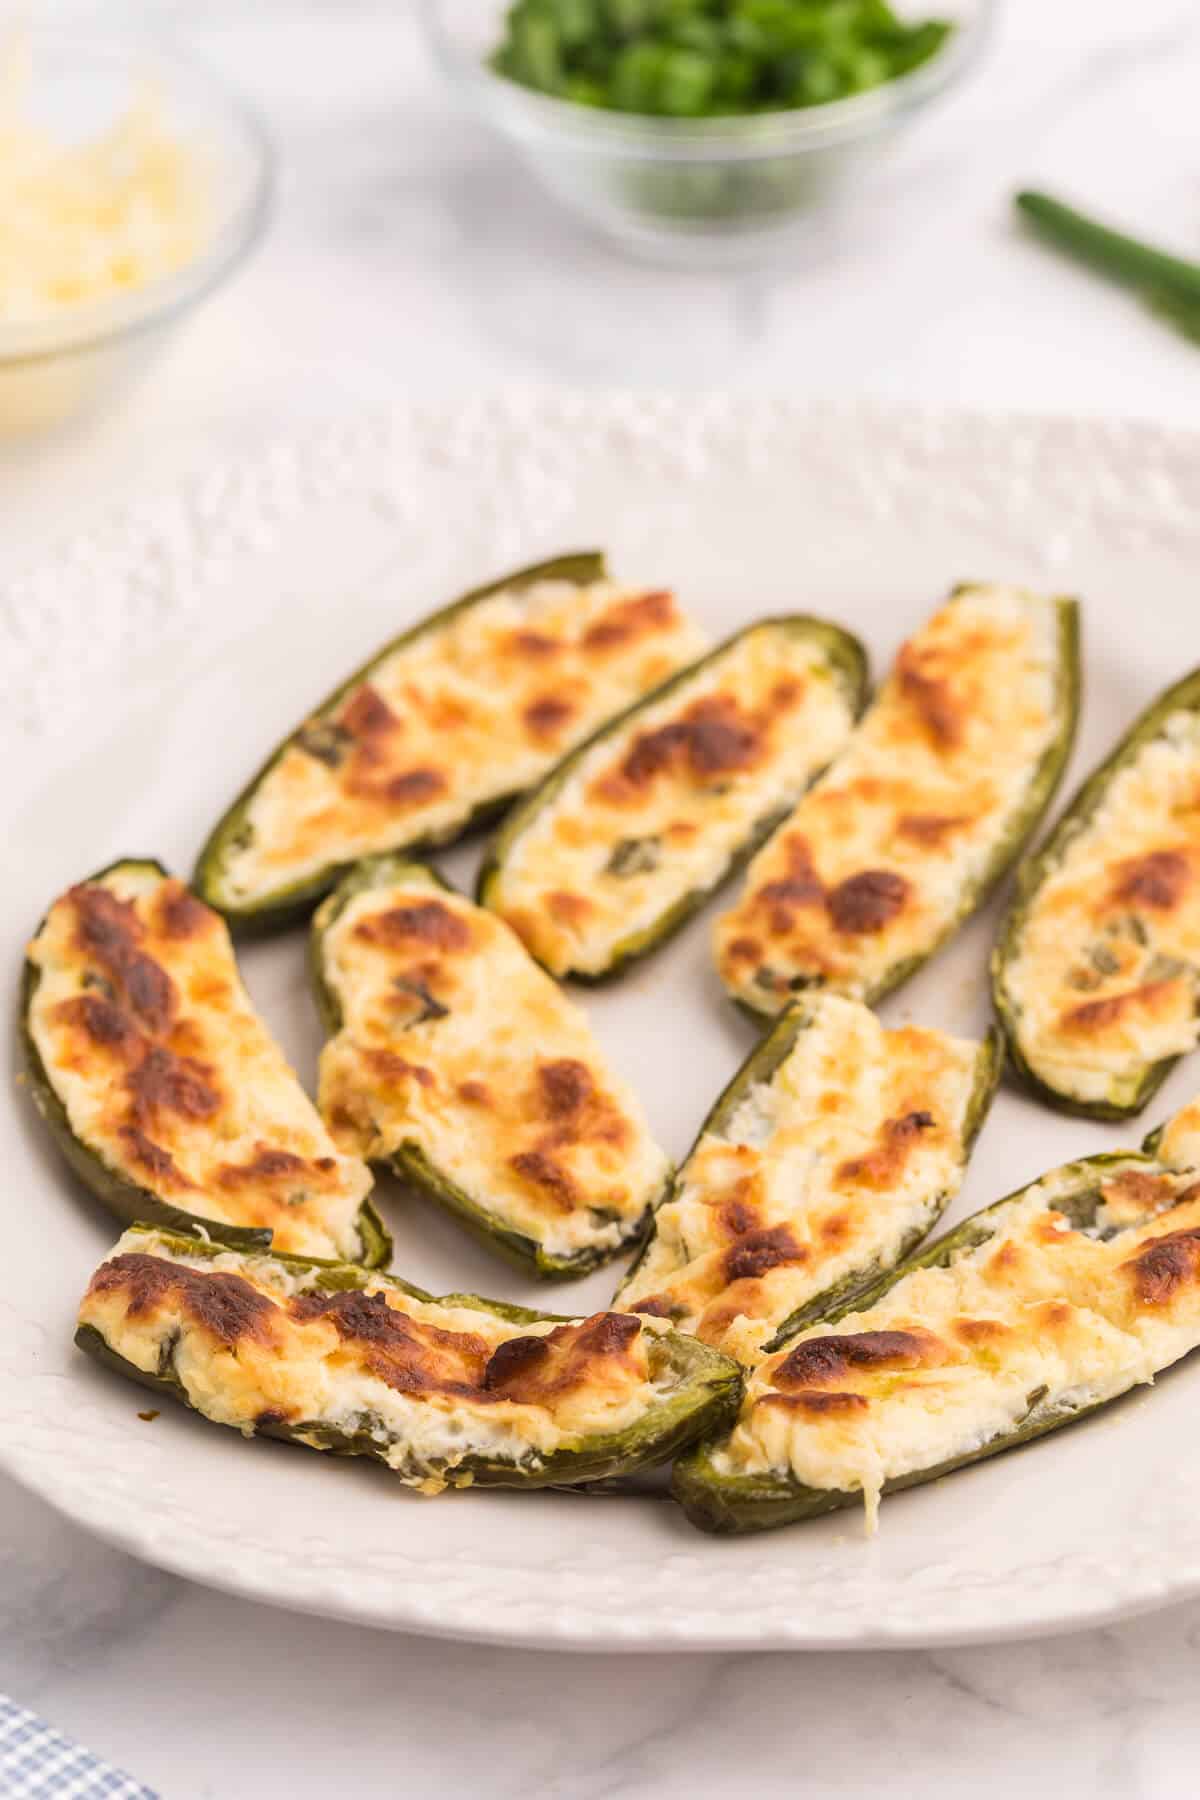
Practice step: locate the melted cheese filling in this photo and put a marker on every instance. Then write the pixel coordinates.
(1039, 1316)
(658, 810)
(872, 867)
(456, 1044)
(831, 1169)
(1179, 1142)
(1105, 978)
(423, 1392)
(167, 1073)
(468, 713)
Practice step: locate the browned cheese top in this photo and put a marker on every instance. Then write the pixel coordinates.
(469, 712)
(872, 867)
(827, 1170)
(1104, 981)
(657, 808)
(1043, 1313)
(167, 1074)
(428, 1383)
(456, 1046)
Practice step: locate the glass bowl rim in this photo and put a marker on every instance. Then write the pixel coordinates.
(95, 323)
(738, 136)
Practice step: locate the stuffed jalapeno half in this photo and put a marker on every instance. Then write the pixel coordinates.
(1096, 973)
(444, 726)
(448, 1393)
(460, 1064)
(1029, 1315)
(948, 772)
(162, 1086)
(833, 1151)
(632, 832)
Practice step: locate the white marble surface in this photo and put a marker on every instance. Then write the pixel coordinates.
(409, 256)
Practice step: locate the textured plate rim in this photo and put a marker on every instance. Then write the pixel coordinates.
(569, 1631)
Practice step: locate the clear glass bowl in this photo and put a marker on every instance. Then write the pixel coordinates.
(685, 190)
(58, 365)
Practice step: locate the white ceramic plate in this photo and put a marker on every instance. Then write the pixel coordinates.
(143, 673)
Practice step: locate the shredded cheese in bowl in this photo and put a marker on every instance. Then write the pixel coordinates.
(87, 220)
(130, 183)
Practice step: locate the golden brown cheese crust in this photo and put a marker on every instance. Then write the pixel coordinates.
(847, 1155)
(1105, 977)
(427, 1385)
(374, 1331)
(658, 808)
(466, 714)
(953, 1357)
(456, 1043)
(149, 1039)
(1165, 1268)
(872, 866)
(814, 1377)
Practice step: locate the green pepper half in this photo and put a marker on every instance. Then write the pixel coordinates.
(126, 1199)
(292, 900)
(409, 1162)
(730, 1504)
(619, 855)
(758, 1070)
(1020, 822)
(1130, 1091)
(701, 1388)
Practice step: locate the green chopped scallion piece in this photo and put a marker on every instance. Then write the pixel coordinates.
(696, 59)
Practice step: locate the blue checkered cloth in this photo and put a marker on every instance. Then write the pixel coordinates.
(39, 1763)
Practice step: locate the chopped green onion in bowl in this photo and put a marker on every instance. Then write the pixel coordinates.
(696, 59)
(703, 132)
